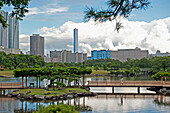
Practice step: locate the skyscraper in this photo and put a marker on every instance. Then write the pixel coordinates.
(75, 40)
(9, 37)
(37, 45)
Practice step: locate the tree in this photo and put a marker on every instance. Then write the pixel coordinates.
(115, 8)
(19, 9)
(158, 75)
(160, 63)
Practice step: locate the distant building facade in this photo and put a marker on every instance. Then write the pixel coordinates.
(159, 54)
(10, 50)
(120, 54)
(124, 54)
(9, 37)
(99, 54)
(75, 40)
(67, 56)
(37, 45)
(47, 58)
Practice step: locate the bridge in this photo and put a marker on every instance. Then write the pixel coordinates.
(10, 85)
(138, 84)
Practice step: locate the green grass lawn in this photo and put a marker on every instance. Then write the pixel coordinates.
(102, 72)
(55, 92)
(6, 73)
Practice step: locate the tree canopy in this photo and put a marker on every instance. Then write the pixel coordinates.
(13, 61)
(19, 9)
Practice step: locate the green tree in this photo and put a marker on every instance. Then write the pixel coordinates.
(160, 63)
(115, 8)
(158, 75)
(19, 9)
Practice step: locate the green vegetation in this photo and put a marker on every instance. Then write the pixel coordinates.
(100, 72)
(55, 92)
(60, 108)
(19, 9)
(56, 75)
(116, 8)
(158, 75)
(6, 73)
(13, 61)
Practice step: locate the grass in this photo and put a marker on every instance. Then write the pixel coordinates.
(101, 72)
(55, 92)
(6, 73)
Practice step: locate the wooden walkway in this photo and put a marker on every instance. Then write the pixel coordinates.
(128, 84)
(10, 85)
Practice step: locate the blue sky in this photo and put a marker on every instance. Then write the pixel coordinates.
(55, 20)
(72, 10)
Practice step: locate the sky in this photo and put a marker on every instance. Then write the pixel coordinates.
(55, 20)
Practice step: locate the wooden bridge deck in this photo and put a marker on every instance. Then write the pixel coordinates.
(128, 84)
(10, 85)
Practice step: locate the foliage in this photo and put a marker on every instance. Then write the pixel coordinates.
(160, 63)
(55, 75)
(13, 61)
(115, 8)
(158, 75)
(60, 108)
(55, 92)
(19, 9)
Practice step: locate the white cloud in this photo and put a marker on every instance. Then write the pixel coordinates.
(150, 36)
(47, 11)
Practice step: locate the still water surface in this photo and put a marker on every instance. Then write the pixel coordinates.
(121, 103)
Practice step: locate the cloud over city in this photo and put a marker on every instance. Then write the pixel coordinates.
(151, 36)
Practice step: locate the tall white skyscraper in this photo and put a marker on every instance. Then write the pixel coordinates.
(37, 45)
(75, 40)
(9, 37)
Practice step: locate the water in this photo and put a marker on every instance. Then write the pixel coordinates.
(123, 102)
(99, 104)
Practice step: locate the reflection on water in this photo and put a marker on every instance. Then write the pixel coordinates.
(120, 90)
(100, 104)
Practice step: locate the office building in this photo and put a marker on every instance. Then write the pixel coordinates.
(37, 45)
(67, 56)
(120, 54)
(124, 54)
(159, 54)
(9, 37)
(99, 54)
(56, 56)
(75, 40)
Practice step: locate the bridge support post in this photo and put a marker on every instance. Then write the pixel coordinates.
(138, 90)
(113, 90)
(3, 92)
(0, 92)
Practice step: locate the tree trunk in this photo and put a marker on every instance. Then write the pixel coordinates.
(83, 80)
(26, 81)
(39, 82)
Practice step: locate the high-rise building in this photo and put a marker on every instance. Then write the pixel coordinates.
(75, 40)
(37, 45)
(9, 37)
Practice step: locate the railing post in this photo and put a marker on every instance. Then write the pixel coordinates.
(113, 90)
(162, 81)
(138, 90)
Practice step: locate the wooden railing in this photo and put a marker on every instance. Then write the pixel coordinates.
(128, 83)
(10, 85)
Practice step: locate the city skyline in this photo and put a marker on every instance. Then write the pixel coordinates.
(147, 29)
